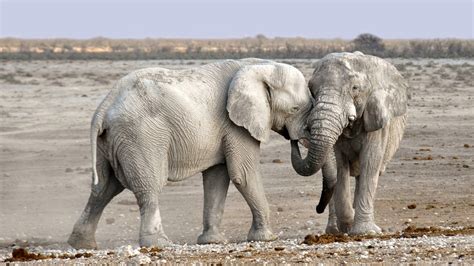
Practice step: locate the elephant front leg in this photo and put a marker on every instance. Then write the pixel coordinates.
(342, 196)
(242, 158)
(252, 191)
(331, 227)
(216, 183)
(370, 162)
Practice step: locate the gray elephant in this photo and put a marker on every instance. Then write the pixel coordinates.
(160, 125)
(356, 125)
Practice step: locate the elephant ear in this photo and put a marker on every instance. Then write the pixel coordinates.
(248, 100)
(388, 99)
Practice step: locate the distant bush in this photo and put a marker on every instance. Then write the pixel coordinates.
(259, 46)
(369, 43)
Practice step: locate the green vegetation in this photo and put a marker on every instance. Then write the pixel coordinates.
(260, 46)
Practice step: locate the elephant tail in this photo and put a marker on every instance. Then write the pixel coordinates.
(97, 128)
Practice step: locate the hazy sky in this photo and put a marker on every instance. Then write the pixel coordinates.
(232, 18)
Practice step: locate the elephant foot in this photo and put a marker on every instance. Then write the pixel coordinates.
(262, 234)
(365, 228)
(344, 227)
(331, 229)
(209, 237)
(155, 240)
(79, 241)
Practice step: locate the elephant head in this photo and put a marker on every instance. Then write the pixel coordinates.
(268, 96)
(352, 92)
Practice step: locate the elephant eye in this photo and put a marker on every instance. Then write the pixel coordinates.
(295, 109)
(355, 87)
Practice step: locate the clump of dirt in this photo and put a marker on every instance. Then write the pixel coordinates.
(83, 255)
(423, 158)
(409, 232)
(21, 254)
(153, 251)
(413, 231)
(325, 239)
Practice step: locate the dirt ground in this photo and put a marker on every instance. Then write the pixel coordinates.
(45, 168)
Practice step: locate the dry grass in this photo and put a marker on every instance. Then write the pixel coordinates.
(128, 49)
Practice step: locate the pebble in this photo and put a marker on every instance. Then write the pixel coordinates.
(390, 251)
(142, 259)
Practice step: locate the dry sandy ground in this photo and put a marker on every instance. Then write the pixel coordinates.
(45, 111)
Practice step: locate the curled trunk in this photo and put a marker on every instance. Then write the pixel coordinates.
(325, 130)
(326, 127)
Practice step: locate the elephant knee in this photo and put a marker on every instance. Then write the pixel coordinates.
(237, 181)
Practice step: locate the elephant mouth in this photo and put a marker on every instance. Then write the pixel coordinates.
(284, 132)
(353, 129)
(347, 132)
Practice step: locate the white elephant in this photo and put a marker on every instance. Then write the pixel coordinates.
(160, 125)
(357, 124)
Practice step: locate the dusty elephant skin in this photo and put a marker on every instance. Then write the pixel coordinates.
(360, 109)
(159, 125)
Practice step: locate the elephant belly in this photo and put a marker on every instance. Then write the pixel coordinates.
(184, 162)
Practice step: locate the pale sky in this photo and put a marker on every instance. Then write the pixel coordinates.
(234, 19)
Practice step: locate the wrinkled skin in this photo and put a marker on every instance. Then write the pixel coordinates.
(358, 118)
(159, 125)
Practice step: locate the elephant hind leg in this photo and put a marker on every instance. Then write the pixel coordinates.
(216, 183)
(145, 171)
(83, 234)
(151, 228)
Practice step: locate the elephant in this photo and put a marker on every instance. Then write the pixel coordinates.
(158, 125)
(356, 126)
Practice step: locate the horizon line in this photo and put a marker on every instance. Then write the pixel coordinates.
(224, 38)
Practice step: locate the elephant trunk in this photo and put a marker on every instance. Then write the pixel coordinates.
(329, 181)
(327, 122)
(326, 126)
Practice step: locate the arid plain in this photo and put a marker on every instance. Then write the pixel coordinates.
(45, 166)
